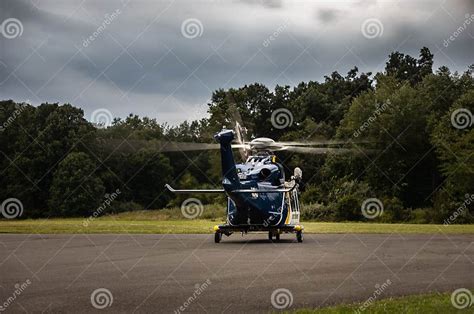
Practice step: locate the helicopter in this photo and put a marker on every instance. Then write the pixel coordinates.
(259, 198)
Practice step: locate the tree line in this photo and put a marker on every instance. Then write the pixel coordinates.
(411, 128)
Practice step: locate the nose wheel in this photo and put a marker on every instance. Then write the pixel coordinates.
(299, 236)
(217, 237)
(271, 234)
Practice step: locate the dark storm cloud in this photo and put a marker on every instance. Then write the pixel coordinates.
(141, 62)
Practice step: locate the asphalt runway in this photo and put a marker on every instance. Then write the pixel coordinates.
(161, 273)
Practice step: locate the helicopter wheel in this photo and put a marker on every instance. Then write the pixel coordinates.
(277, 236)
(270, 236)
(299, 236)
(217, 237)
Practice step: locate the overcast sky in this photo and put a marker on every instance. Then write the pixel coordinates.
(163, 59)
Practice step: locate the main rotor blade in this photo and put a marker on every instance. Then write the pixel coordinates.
(320, 142)
(127, 146)
(322, 150)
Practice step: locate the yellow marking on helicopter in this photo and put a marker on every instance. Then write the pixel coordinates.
(287, 221)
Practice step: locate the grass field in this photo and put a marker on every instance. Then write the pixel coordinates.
(417, 304)
(168, 221)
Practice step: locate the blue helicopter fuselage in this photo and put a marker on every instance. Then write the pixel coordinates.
(259, 173)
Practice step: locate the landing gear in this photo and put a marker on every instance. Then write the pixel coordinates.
(217, 237)
(271, 234)
(299, 236)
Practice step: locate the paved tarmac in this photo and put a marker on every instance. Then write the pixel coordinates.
(190, 273)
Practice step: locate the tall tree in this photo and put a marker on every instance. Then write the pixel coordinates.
(76, 189)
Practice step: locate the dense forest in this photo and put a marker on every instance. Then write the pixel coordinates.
(416, 121)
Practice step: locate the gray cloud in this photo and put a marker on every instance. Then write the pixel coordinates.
(327, 15)
(272, 4)
(165, 75)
